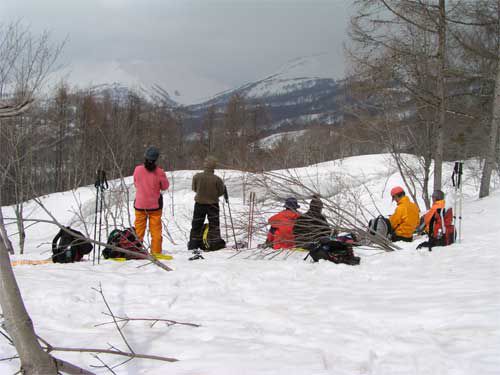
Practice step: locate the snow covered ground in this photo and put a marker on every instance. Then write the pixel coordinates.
(405, 312)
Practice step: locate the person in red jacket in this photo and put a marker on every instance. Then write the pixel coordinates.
(280, 235)
(149, 181)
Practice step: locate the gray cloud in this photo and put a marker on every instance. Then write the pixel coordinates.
(231, 42)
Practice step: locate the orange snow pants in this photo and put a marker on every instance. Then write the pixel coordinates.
(141, 218)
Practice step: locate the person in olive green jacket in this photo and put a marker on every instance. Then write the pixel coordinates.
(208, 188)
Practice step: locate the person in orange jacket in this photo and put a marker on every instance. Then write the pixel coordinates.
(149, 181)
(280, 235)
(437, 203)
(405, 218)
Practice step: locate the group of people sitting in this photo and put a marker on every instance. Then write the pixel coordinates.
(290, 229)
(437, 222)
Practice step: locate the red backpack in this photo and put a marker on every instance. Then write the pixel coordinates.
(441, 228)
(126, 239)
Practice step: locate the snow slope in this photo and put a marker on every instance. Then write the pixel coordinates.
(406, 312)
(272, 140)
(298, 74)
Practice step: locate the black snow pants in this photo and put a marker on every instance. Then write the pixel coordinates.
(200, 212)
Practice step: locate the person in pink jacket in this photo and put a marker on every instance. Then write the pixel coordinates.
(149, 181)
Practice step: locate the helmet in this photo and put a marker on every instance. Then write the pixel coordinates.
(396, 190)
(291, 203)
(152, 153)
(438, 195)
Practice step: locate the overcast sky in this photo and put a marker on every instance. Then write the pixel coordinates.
(230, 41)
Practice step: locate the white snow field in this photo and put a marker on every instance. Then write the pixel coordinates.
(404, 312)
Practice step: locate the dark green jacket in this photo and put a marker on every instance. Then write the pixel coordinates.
(208, 187)
(310, 227)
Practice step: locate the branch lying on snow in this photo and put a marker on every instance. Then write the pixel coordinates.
(106, 366)
(114, 319)
(112, 351)
(69, 368)
(126, 320)
(54, 221)
(131, 354)
(62, 366)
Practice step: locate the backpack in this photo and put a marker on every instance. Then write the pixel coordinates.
(69, 248)
(212, 245)
(126, 239)
(334, 251)
(441, 228)
(380, 227)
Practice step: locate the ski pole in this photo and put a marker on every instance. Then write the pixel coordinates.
(101, 184)
(95, 221)
(460, 203)
(456, 179)
(225, 220)
(226, 197)
(250, 219)
(172, 196)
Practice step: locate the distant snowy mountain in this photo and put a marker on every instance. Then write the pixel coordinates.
(302, 91)
(170, 81)
(298, 74)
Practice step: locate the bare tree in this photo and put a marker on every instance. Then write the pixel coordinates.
(25, 62)
(410, 39)
(488, 17)
(490, 160)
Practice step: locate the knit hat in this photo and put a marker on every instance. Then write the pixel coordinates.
(438, 195)
(316, 204)
(152, 153)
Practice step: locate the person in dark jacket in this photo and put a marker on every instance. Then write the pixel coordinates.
(311, 226)
(208, 188)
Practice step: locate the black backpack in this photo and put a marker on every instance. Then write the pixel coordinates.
(334, 251)
(69, 248)
(125, 239)
(380, 226)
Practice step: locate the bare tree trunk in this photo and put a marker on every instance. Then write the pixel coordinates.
(489, 162)
(491, 154)
(425, 189)
(3, 234)
(20, 225)
(34, 360)
(439, 134)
